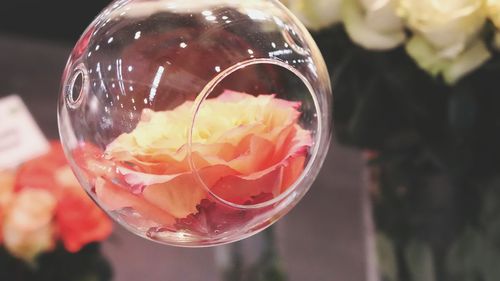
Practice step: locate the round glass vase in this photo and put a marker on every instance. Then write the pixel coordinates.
(196, 123)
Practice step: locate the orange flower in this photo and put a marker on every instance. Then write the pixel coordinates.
(6, 194)
(40, 172)
(27, 228)
(77, 219)
(243, 146)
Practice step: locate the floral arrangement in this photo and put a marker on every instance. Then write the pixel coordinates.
(251, 151)
(43, 206)
(416, 87)
(445, 38)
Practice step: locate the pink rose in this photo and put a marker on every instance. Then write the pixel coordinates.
(243, 147)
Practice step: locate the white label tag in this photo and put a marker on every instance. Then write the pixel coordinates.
(20, 137)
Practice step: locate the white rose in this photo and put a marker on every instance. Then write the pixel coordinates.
(373, 24)
(452, 69)
(494, 15)
(27, 229)
(494, 12)
(448, 25)
(446, 37)
(315, 14)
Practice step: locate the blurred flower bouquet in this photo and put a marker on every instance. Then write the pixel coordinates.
(48, 225)
(448, 39)
(416, 84)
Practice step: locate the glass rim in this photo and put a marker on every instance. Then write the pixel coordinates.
(318, 140)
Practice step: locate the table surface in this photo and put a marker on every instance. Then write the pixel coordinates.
(322, 239)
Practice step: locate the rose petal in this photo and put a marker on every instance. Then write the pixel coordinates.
(255, 154)
(291, 142)
(154, 172)
(233, 96)
(137, 178)
(114, 198)
(243, 146)
(181, 195)
(238, 190)
(276, 112)
(178, 162)
(292, 171)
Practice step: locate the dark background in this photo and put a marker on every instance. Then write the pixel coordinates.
(61, 20)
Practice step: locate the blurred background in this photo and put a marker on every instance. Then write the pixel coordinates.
(61, 21)
(409, 191)
(322, 239)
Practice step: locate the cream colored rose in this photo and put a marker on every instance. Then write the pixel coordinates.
(373, 24)
(449, 26)
(315, 14)
(446, 37)
(451, 69)
(494, 15)
(494, 12)
(27, 228)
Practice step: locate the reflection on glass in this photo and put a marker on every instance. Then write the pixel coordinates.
(194, 130)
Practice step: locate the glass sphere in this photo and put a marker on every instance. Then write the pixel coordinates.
(195, 123)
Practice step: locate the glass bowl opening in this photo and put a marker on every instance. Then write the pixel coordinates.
(263, 136)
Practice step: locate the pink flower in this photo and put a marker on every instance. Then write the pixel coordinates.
(243, 146)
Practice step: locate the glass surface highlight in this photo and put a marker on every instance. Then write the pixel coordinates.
(195, 123)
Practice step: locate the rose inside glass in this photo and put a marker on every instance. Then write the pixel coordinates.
(248, 153)
(195, 123)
